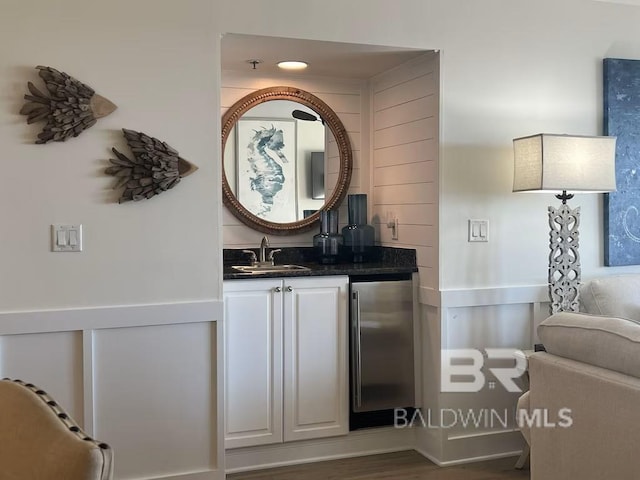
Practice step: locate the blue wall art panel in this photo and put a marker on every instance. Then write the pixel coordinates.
(622, 119)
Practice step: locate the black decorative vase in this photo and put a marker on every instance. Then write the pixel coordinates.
(328, 242)
(358, 236)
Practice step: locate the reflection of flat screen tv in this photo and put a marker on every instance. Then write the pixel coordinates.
(317, 175)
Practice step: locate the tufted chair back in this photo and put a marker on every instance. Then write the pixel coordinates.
(39, 441)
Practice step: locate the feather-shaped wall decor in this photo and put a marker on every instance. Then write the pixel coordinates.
(155, 167)
(70, 107)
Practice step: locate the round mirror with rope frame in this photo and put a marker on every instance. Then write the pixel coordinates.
(330, 120)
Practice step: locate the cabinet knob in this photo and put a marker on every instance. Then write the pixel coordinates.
(277, 289)
(289, 288)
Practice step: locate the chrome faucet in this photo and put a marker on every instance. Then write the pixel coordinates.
(264, 244)
(262, 259)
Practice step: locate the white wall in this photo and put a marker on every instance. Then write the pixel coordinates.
(123, 334)
(533, 82)
(157, 62)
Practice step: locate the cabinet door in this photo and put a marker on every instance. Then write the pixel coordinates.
(253, 368)
(315, 357)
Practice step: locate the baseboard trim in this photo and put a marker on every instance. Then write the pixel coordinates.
(428, 456)
(482, 434)
(201, 475)
(462, 461)
(355, 444)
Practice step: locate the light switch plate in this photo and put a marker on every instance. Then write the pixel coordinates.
(66, 238)
(478, 230)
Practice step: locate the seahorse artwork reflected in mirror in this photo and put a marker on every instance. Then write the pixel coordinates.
(268, 178)
(266, 173)
(69, 108)
(266, 167)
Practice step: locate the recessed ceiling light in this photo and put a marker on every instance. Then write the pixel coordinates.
(292, 65)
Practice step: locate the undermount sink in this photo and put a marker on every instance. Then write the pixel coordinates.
(269, 268)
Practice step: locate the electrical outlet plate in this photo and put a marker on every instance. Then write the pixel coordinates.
(392, 223)
(66, 238)
(394, 229)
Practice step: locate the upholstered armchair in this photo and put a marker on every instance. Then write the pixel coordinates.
(39, 441)
(585, 389)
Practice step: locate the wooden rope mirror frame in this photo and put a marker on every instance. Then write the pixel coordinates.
(331, 120)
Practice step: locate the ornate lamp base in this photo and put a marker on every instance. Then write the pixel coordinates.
(564, 258)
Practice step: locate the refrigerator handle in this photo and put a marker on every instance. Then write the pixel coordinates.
(356, 351)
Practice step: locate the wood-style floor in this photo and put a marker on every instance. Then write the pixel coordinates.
(390, 466)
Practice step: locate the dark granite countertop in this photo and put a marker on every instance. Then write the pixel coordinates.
(383, 261)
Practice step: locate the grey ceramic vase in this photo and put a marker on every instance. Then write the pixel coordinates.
(328, 242)
(358, 236)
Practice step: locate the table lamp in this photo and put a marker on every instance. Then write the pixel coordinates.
(564, 163)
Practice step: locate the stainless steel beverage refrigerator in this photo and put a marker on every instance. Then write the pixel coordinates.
(381, 345)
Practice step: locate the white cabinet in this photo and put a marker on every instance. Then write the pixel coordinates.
(286, 372)
(253, 362)
(316, 393)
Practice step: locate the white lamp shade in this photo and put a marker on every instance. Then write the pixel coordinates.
(547, 162)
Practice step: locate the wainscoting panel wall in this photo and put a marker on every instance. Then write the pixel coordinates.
(476, 425)
(490, 410)
(52, 361)
(147, 380)
(163, 420)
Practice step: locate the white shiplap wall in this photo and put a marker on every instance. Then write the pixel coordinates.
(405, 116)
(344, 96)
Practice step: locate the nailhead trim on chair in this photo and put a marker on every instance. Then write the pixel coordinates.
(60, 413)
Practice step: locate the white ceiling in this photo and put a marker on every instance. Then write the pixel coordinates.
(332, 59)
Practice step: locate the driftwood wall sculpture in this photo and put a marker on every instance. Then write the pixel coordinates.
(155, 167)
(70, 108)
